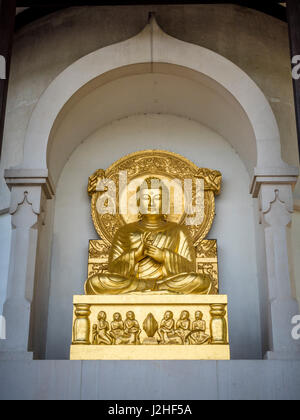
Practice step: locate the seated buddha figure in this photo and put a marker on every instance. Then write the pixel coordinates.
(152, 254)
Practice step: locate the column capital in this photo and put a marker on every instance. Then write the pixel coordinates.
(30, 178)
(273, 176)
(279, 196)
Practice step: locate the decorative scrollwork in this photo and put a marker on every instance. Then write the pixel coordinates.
(98, 249)
(210, 270)
(93, 181)
(207, 249)
(98, 268)
(212, 179)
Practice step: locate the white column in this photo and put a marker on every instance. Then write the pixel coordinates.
(28, 191)
(276, 207)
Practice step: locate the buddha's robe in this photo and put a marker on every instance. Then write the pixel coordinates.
(175, 274)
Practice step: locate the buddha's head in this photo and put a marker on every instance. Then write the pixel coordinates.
(153, 196)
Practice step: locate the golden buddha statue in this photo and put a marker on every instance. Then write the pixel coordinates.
(154, 254)
(151, 255)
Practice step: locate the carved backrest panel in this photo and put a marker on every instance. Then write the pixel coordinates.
(207, 261)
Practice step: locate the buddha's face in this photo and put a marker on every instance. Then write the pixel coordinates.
(151, 201)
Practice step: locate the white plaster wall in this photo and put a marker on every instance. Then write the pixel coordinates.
(151, 380)
(295, 233)
(168, 89)
(261, 275)
(233, 227)
(5, 235)
(254, 41)
(39, 310)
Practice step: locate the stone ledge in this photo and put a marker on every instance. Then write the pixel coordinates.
(159, 352)
(278, 355)
(277, 179)
(149, 299)
(15, 355)
(145, 380)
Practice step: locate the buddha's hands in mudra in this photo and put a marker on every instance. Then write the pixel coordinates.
(155, 253)
(140, 251)
(146, 249)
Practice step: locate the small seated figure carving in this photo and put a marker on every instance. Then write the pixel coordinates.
(127, 332)
(167, 332)
(100, 335)
(198, 335)
(117, 329)
(132, 328)
(151, 254)
(183, 327)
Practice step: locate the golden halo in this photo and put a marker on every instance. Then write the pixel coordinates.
(166, 166)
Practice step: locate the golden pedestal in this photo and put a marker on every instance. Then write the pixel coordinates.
(149, 311)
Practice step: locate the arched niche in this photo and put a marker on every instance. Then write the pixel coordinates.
(73, 227)
(232, 105)
(151, 73)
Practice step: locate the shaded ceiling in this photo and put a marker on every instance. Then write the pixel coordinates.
(39, 8)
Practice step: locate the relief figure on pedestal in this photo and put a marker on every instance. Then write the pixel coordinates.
(117, 329)
(132, 328)
(167, 332)
(100, 331)
(183, 327)
(198, 335)
(151, 254)
(127, 332)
